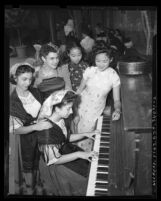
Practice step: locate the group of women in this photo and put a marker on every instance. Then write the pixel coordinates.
(53, 115)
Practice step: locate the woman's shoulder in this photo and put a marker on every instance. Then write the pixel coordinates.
(83, 63)
(91, 69)
(36, 93)
(65, 65)
(41, 72)
(33, 90)
(111, 71)
(89, 72)
(63, 68)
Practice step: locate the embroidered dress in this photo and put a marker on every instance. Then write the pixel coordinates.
(93, 99)
(76, 73)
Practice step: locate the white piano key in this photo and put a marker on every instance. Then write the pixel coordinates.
(91, 188)
(101, 189)
(102, 172)
(94, 163)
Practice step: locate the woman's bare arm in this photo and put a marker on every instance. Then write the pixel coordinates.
(82, 86)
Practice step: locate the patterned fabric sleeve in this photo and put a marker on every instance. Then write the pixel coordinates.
(14, 123)
(115, 79)
(64, 72)
(87, 73)
(50, 152)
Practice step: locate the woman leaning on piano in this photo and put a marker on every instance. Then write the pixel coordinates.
(63, 165)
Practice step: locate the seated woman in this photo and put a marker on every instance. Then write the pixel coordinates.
(63, 165)
(25, 103)
(51, 77)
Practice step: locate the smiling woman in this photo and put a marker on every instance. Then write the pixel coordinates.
(25, 103)
(51, 76)
(96, 84)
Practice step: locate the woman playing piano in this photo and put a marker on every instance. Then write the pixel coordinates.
(96, 84)
(63, 166)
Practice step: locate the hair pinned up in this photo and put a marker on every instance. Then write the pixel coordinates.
(101, 47)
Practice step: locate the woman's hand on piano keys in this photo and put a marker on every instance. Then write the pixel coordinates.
(93, 133)
(88, 155)
(116, 115)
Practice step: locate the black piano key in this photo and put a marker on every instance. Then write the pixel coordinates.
(103, 156)
(106, 130)
(104, 139)
(102, 169)
(104, 144)
(105, 135)
(106, 121)
(102, 177)
(101, 185)
(103, 162)
(103, 150)
(99, 193)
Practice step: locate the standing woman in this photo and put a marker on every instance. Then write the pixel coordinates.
(25, 103)
(97, 82)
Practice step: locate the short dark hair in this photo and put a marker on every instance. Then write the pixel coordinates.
(24, 68)
(45, 49)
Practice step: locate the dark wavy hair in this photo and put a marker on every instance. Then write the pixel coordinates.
(45, 49)
(101, 47)
(24, 68)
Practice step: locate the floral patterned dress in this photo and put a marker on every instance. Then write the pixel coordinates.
(76, 73)
(93, 99)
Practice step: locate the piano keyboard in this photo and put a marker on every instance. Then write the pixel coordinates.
(98, 176)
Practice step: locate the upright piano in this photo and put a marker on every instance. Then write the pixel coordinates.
(124, 164)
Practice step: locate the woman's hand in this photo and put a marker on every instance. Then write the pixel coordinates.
(91, 134)
(88, 155)
(42, 125)
(116, 115)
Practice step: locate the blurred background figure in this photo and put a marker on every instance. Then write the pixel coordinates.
(131, 53)
(87, 43)
(69, 30)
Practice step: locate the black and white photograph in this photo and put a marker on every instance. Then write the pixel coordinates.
(81, 118)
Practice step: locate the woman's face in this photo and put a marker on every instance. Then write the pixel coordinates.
(75, 55)
(65, 110)
(52, 59)
(24, 80)
(102, 61)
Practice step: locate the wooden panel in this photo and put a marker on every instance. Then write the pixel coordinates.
(116, 159)
(129, 161)
(136, 95)
(144, 163)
